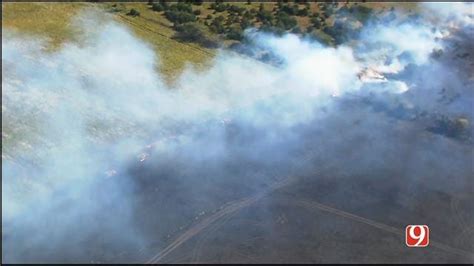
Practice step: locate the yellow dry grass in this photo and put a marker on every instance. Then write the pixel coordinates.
(53, 21)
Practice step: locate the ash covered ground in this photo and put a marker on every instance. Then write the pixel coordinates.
(323, 157)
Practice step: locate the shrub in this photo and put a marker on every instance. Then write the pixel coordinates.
(265, 16)
(183, 7)
(157, 7)
(197, 12)
(235, 33)
(219, 7)
(133, 13)
(235, 19)
(164, 4)
(303, 12)
(193, 32)
(338, 32)
(271, 29)
(236, 9)
(296, 30)
(248, 15)
(329, 11)
(320, 37)
(189, 32)
(245, 23)
(362, 13)
(316, 23)
(116, 8)
(290, 10)
(179, 17)
(285, 21)
(217, 25)
(229, 22)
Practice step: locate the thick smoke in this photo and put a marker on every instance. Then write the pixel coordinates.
(89, 130)
(457, 14)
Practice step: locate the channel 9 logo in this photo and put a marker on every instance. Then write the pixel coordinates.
(417, 235)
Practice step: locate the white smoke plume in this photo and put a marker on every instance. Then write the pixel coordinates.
(451, 14)
(82, 115)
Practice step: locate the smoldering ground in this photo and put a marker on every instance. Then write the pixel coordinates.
(104, 162)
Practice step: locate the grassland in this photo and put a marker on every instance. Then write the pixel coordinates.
(49, 20)
(53, 21)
